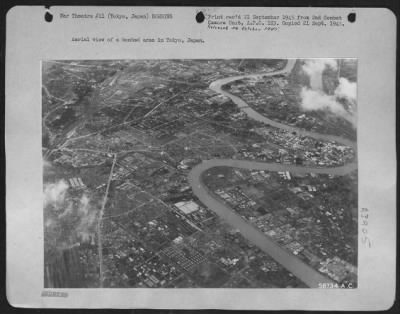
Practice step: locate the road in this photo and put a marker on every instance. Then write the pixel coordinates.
(99, 235)
(292, 263)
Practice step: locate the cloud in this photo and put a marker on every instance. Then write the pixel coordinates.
(84, 204)
(315, 98)
(87, 214)
(54, 194)
(55, 198)
(346, 89)
(314, 66)
(314, 69)
(318, 100)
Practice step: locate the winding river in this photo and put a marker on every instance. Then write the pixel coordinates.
(292, 263)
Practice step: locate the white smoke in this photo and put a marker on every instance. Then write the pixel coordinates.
(315, 98)
(87, 224)
(54, 194)
(87, 214)
(68, 210)
(46, 164)
(314, 69)
(318, 65)
(48, 222)
(318, 100)
(84, 205)
(346, 89)
(57, 201)
(85, 236)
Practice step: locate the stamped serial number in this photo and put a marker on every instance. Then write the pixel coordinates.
(330, 285)
(59, 294)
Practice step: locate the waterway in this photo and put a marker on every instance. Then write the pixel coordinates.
(292, 263)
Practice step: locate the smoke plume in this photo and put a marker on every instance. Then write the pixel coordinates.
(346, 89)
(68, 210)
(315, 98)
(318, 100)
(314, 69)
(88, 217)
(61, 208)
(54, 194)
(46, 164)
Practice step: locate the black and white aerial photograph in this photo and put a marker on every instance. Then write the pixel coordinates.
(200, 173)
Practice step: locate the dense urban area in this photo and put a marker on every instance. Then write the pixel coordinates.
(199, 173)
